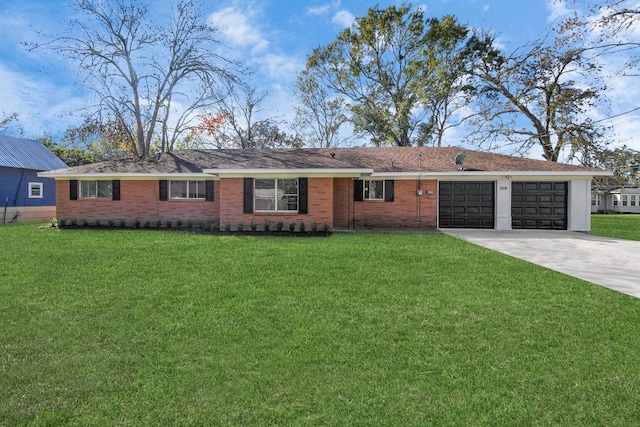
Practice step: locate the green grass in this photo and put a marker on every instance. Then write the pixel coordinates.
(126, 327)
(616, 225)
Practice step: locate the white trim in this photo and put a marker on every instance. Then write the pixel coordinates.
(30, 185)
(129, 176)
(469, 176)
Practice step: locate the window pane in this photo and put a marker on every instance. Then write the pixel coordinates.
(374, 190)
(88, 189)
(265, 194)
(193, 189)
(624, 199)
(35, 189)
(633, 200)
(104, 189)
(287, 194)
(178, 189)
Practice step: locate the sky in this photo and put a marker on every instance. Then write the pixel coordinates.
(272, 37)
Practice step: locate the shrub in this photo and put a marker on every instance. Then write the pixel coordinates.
(326, 227)
(179, 223)
(111, 223)
(74, 222)
(302, 227)
(147, 224)
(253, 225)
(97, 223)
(168, 224)
(123, 223)
(292, 227)
(227, 226)
(190, 223)
(240, 226)
(204, 226)
(62, 222)
(159, 223)
(314, 226)
(53, 222)
(267, 224)
(85, 223)
(280, 225)
(136, 223)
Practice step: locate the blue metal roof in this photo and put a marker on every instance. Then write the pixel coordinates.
(22, 153)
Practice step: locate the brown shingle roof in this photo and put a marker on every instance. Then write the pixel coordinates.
(381, 160)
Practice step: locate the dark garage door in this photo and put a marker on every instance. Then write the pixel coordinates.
(539, 205)
(466, 204)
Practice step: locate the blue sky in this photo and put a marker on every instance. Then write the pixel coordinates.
(273, 37)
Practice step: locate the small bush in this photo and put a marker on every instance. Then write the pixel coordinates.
(53, 222)
(314, 226)
(123, 223)
(267, 225)
(159, 223)
(253, 226)
(240, 226)
(136, 223)
(280, 225)
(179, 223)
(168, 224)
(326, 227)
(204, 226)
(302, 227)
(292, 227)
(111, 223)
(74, 222)
(227, 226)
(147, 224)
(62, 222)
(190, 223)
(97, 223)
(85, 223)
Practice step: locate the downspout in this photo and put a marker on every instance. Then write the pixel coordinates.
(15, 198)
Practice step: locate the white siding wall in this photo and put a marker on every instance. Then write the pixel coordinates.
(579, 215)
(503, 204)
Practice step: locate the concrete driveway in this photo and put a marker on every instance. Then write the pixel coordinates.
(613, 263)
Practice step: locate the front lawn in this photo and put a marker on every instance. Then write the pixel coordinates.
(126, 327)
(621, 226)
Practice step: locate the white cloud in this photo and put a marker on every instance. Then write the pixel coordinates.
(557, 10)
(282, 67)
(237, 27)
(486, 7)
(323, 9)
(343, 18)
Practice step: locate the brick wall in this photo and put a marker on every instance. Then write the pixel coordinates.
(408, 210)
(139, 200)
(320, 206)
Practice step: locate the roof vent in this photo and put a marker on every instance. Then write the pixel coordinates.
(333, 155)
(459, 160)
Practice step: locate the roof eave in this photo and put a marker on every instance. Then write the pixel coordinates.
(302, 172)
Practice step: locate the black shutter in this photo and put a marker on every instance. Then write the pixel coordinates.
(388, 190)
(73, 189)
(164, 193)
(248, 196)
(303, 198)
(358, 190)
(209, 191)
(115, 187)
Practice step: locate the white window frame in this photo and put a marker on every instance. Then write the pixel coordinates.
(625, 200)
(277, 195)
(595, 199)
(366, 189)
(97, 193)
(32, 186)
(632, 200)
(200, 190)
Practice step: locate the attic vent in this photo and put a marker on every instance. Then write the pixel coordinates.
(333, 155)
(459, 160)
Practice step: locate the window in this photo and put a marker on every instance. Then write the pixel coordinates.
(187, 190)
(35, 190)
(615, 200)
(633, 200)
(276, 195)
(625, 200)
(96, 189)
(595, 199)
(374, 190)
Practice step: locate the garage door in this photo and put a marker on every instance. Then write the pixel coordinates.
(539, 205)
(466, 204)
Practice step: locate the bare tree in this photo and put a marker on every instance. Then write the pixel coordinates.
(539, 95)
(319, 115)
(6, 120)
(151, 78)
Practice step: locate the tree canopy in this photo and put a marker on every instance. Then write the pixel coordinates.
(387, 67)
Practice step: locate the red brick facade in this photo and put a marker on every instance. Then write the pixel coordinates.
(330, 201)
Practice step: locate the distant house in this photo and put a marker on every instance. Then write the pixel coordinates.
(24, 196)
(344, 188)
(625, 199)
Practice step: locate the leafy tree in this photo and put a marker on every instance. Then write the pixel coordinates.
(318, 115)
(150, 77)
(386, 67)
(624, 162)
(72, 156)
(536, 96)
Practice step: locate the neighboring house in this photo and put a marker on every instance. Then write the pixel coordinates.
(23, 195)
(347, 188)
(624, 199)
